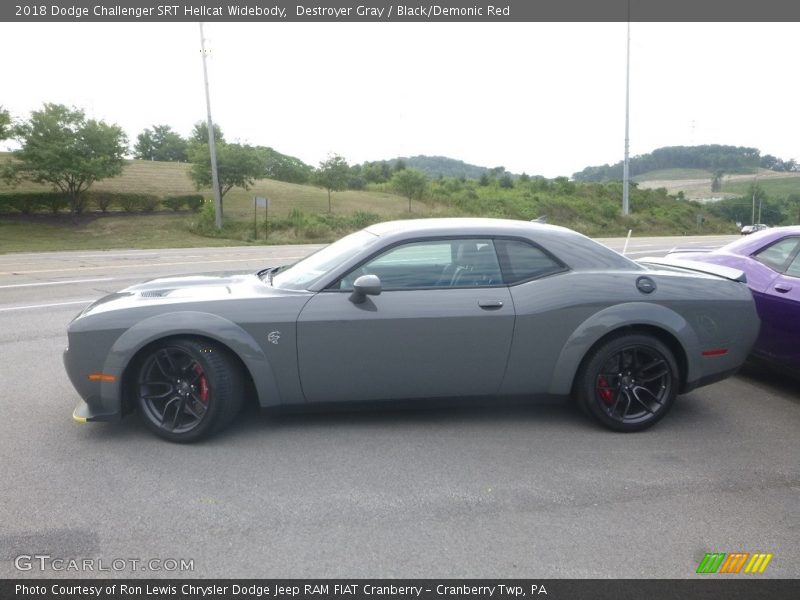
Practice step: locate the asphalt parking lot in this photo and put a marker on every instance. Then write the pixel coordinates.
(459, 491)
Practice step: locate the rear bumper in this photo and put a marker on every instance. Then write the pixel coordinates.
(709, 379)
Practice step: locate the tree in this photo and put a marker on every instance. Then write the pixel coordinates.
(716, 181)
(5, 124)
(332, 175)
(284, 168)
(199, 134)
(61, 147)
(410, 183)
(161, 143)
(377, 172)
(237, 166)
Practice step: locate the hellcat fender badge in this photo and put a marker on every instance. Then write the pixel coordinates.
(274, 336)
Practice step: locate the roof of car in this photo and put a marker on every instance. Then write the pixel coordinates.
(463, 225)
(758, 239)
(570, 246)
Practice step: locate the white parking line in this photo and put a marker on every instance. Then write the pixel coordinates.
(30, 306)
(21, 285)
(139, 265)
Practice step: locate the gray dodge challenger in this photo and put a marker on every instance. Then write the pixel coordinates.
(418, 309)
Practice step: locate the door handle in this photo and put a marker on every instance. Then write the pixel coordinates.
(490, 304)
(783, 287)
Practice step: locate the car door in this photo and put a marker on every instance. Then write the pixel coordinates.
(778, 302)
(442, 326)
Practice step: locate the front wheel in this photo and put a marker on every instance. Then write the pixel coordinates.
(187, 389)
(628, 383)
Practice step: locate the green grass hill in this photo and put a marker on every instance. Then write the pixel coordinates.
(299, 213)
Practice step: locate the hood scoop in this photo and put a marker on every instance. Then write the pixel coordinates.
(190, 292)
(154, 293)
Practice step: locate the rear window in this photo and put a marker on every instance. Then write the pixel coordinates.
(521, 261)
(778, 254)
(794, 268)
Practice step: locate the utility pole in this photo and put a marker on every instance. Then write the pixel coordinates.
(212, 149)
(755, 189)
(626, 166)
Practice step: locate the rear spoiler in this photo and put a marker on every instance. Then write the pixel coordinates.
(700, 267)
(678, 249)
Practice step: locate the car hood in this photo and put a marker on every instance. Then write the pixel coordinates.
(212, 285)
(188, 289)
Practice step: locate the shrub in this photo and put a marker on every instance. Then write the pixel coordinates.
(173, 202)
(54, 202)
(361, 219)
(29, 202)
(297, 221)
(191, 201)
(102, 200)
(133, 202)
(194, 202)
(317, 231)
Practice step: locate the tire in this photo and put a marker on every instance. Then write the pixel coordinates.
(628, 383)
(187, 389)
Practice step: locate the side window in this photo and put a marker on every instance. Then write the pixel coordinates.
(521, 261)
(434, 253)
(778, 254)
(433, 264)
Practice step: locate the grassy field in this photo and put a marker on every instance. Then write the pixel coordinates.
(165, 228)
(286, 196)
(673, 175)
(696, 183)
(161, 178)
(164, 179)
(299, 213)
(774, 187)
(41, 233)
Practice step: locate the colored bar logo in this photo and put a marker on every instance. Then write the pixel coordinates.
(720, 562)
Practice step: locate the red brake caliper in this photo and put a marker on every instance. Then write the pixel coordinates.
(604, 389)
(203, 384)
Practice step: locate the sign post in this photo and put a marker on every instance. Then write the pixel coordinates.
(255, 225)
(260, 201)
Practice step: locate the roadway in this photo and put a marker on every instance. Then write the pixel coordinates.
(480, 491)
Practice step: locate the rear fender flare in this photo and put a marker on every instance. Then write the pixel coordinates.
(615, 318)
(191, 323)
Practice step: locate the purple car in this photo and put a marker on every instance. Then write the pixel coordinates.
(771, 261)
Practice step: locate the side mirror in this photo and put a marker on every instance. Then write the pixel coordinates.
(366, 285)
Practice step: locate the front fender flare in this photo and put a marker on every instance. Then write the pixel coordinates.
(202, 324)
(613, 318)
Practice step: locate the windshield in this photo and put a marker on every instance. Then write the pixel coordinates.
(303, 274)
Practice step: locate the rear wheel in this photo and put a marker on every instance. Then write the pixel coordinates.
(628, 383)
(188, 389)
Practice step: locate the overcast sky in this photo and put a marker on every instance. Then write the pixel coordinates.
(541, 98)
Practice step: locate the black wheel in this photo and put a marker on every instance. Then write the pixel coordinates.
(628, 383)
(187, 389)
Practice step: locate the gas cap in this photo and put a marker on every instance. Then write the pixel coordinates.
(646, 285)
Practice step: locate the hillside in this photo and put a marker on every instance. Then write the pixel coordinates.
(696, 183)
(441, 166)
(713, 157)
(299, 213)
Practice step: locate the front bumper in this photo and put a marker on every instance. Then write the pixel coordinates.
(83, 413)
(100, 400)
